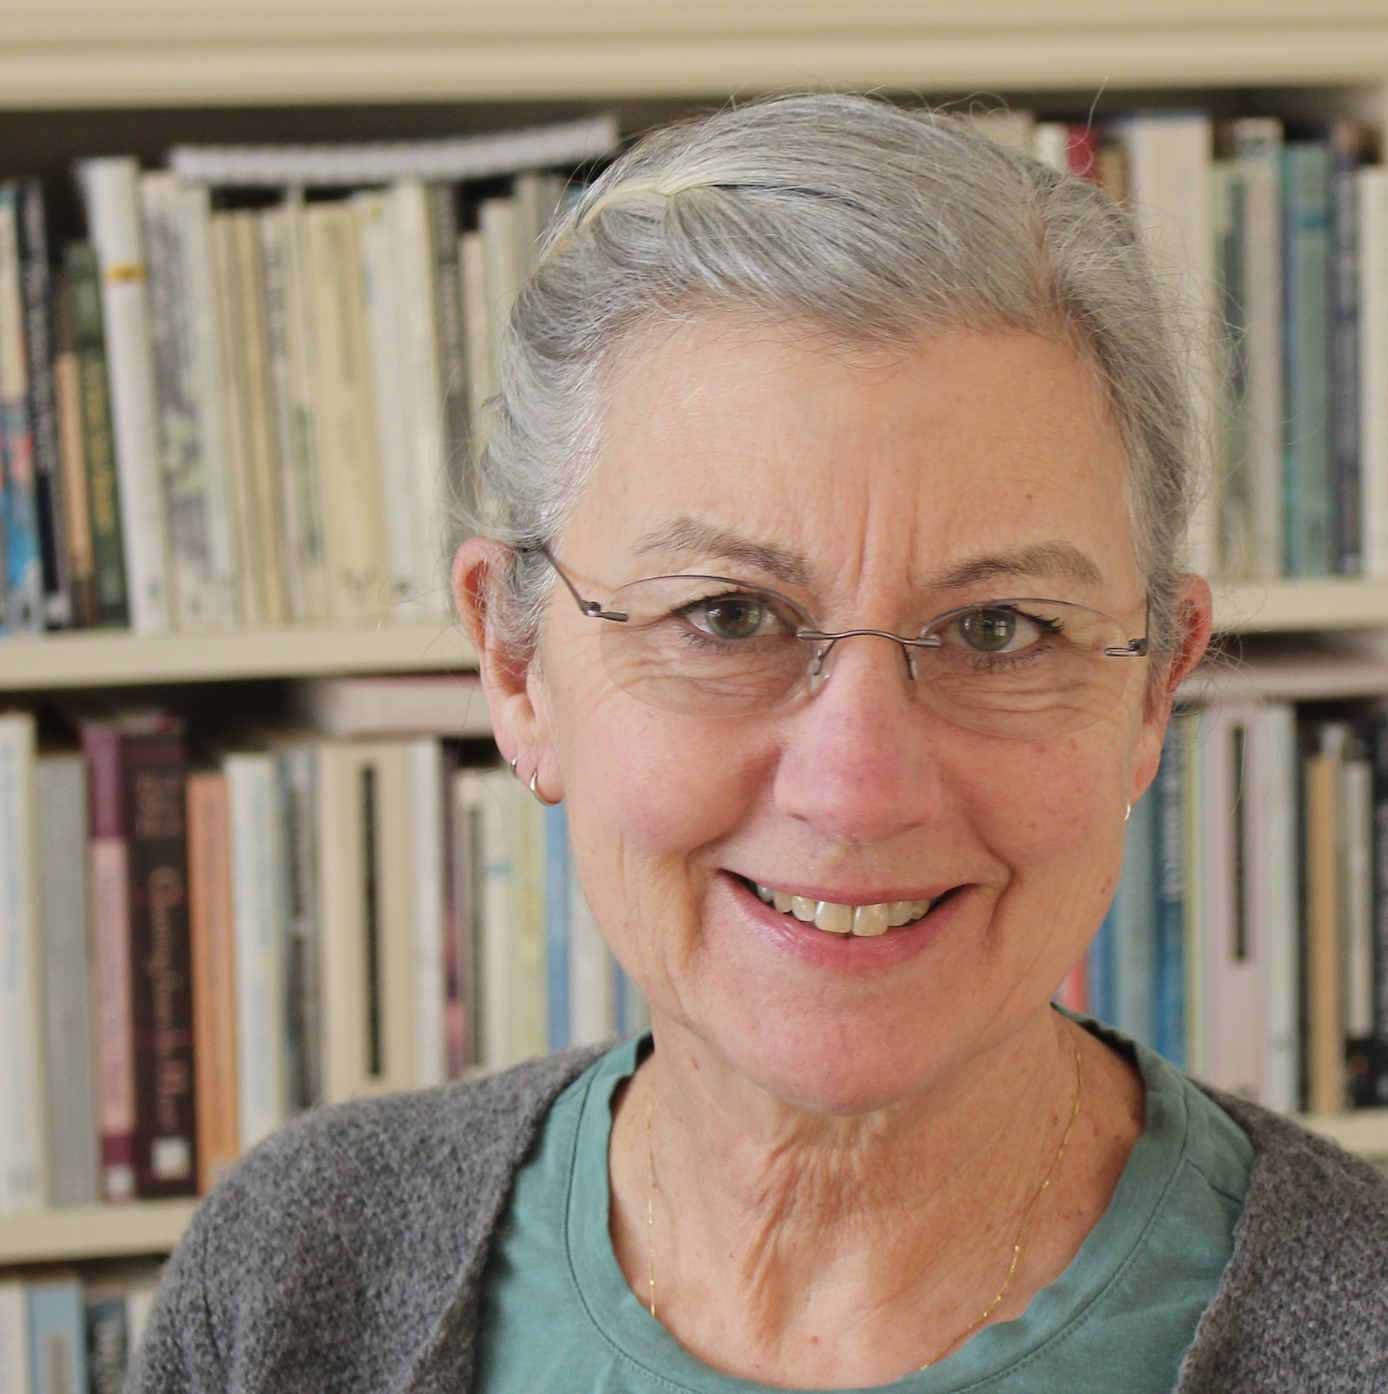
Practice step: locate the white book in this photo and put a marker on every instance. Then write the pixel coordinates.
(177, 231)
(1169, 159)
(14, 1339)
(1373, 364)
(591, 979)
(499, 221)
(111, 191)
(427, 907)
(477, 336)
(1273, 860)
(381, 294)
(380, 162)
(1259, 159)
(21, 1096)
(257, 879)
(421, 382)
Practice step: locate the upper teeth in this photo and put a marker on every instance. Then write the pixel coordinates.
(845, 919)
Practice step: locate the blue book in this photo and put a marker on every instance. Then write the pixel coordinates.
(557, 926)
(57, 1337)
(1134, 926)
(1309, 483)
(1099, 971)
(1346, 140)
(1169, 1005)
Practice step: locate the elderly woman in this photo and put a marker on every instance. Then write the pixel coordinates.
(841, 464)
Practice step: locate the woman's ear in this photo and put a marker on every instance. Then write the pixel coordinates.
(1193, 615)
(479, 572)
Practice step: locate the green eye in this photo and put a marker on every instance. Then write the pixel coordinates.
(731, 616)
(989, 631)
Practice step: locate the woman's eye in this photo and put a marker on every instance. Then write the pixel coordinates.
(997, 631)
(730, 616)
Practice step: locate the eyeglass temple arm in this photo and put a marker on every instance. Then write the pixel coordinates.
(591, 608)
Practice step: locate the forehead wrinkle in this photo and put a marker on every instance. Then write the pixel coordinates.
(1061, 559)
(691, 536)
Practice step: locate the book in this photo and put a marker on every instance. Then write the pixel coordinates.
(558, 899)
(36, 297)
(1134, 925)
(1372, 204)
(464, 1019)
(108, 1340)
(1325, 1034)
(22, 1159)
(24, 606)
(111, 190)
(177, 229)
(368, 956)
(82, 279)
(298, 782)
(60, 835)
(212, 962)
(257, 889)
(427, 835)
(1168, 877)
(452, 351)
(136, 771)
(67, 395)
(14, 1338)
(1346, 140)
(1356, 816)
(445, 704)
(57, 1321)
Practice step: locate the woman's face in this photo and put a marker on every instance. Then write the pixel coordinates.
(877, 489)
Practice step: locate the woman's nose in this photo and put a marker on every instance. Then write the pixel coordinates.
(857, 759)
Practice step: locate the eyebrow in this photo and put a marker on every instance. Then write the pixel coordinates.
(1061, 559)
(690, 536)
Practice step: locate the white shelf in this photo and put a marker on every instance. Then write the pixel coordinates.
(1253, 607)
(104, 658)
(94, 1231)
(142, 53)
(1363, 1131)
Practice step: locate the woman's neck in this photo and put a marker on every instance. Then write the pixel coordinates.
(792, 1248)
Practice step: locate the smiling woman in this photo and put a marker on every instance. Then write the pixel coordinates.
(835, 586)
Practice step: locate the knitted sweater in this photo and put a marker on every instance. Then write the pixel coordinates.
(346, 1253)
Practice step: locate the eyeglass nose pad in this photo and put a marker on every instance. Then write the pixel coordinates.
(820, 662)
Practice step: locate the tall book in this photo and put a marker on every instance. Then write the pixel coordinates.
(257, 882)
(349, 478)
(82, 278)
(1346, 139)
(24, 609)
(60, 827)
(1325, 1033)
(1169, 889)
(57, 1336)
(298, 781)
(1134, 925)
(212, 932)
(448, 301)
(67, 395)
(177, 228)
(366, 872)
(464, 1022)
(37, 296)
(14, 1338)
(1308, 259)
(1357, 919)
(136, 772)
(558, 901)
(22, 1167)
(427, 814)
(111, 189)
(1373, 366)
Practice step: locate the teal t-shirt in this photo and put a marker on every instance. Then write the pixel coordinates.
(557, 1314)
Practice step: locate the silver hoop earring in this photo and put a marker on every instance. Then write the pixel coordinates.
(1128, 813)
(514, 772)
(535, 789)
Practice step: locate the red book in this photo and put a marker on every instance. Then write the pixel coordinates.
(137, 776)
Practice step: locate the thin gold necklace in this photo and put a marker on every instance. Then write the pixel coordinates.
(1017, 1244)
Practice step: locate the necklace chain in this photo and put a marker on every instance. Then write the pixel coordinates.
(1017, 1244)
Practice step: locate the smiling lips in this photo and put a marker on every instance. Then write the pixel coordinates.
(862, 920)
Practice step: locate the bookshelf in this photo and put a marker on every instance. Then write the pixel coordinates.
(82, 76)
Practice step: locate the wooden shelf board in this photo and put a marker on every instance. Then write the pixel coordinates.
(94, 1231)
(118, 659)
(1363, 1131)
(1253, 607)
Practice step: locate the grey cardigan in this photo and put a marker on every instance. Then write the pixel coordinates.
(346, 1254)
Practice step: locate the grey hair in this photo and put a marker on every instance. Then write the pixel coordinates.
(865, 220)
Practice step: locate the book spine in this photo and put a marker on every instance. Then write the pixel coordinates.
(1356, 881)
(1099, 970)
(1346, 142)
(57, 1337)
(110, 895)
(427, 906)
(1134, 906)
(69, 1092)
(113, 214)
(1169, 1012)
(557, 899)
(67, 395)
(1232, 464)
(465, 976)
(213, 968)
(22, 1149)
(98, 439)
(108, 1343)
(14, 1339)
(1373, 366)
(1324, 987)
(43, 412)
(155, 775)
(303, 989)
(1308, 480)
(256, 875)
(448, 289)
(24, 572)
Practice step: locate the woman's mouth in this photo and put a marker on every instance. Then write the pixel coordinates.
(833, 918)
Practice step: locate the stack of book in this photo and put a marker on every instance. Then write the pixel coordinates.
(1248, 940)
(216, 415)
(202, 951)
(62, 1336)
